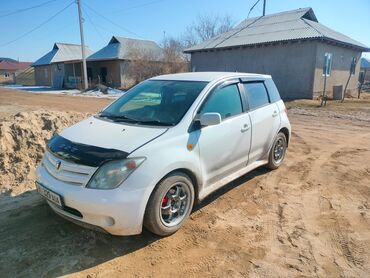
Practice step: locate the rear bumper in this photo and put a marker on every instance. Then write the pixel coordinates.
(118, 211)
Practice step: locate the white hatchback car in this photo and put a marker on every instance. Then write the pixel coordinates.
(168, 142)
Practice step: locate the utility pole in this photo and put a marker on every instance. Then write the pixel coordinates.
(264, 7)
(82, 45)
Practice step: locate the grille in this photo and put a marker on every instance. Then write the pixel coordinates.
(67, 171)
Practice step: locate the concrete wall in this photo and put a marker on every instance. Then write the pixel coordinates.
(43, 75)
(342, 58)
(290, 64)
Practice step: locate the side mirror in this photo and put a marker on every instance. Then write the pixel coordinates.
(210, 119)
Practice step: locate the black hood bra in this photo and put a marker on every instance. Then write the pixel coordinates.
(82, 153)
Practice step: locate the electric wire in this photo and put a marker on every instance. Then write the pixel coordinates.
(38, 26)
(253, 8)
(112, 22)
(27, 9)
(123, 11)
(93, 24)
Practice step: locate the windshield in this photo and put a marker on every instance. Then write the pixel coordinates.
(155, 102)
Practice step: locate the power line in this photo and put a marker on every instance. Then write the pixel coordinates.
(112, 22)
(27, 9)
(38, 26)
(253, 7)
(138, 6)
(92, 23)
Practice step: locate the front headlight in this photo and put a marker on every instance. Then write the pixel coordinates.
(111, 174)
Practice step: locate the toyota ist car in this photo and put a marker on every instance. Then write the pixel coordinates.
(167, 143)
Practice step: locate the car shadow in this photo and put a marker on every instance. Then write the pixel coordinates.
(35, 241)
(230, 186)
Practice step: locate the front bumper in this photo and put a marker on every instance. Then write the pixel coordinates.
(118, 211)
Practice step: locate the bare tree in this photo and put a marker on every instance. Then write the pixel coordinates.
(173, 58)
(143, 64)
(206, 27)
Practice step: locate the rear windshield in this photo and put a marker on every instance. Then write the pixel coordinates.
(155, 102)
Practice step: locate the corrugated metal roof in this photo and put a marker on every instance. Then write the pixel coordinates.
(13, 66)
(125, 48)
(62, 52)
(365, 63)
(286, 26)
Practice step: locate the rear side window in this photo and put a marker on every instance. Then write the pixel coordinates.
(272, 90)
(225, 101)
(257, 94)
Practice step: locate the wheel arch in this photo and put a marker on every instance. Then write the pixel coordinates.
(285, 131)
(193, 178)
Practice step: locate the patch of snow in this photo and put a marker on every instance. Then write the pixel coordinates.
(108, 93)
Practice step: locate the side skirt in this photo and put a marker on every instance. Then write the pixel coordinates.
(213, 187)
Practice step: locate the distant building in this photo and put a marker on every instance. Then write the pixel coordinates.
(290, 46)
(111, 64)
(10, 68)
(365, 68)
(61, 67)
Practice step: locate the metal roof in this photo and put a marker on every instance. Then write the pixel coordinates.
(365, 63)
(124, 49)
(13, 66)
(285, 26)
(62, 52)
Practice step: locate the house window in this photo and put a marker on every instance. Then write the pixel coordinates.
(328, 58)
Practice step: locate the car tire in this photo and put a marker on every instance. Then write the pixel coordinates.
(174, 192)
(277, 151)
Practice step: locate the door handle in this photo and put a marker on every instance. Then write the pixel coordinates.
(245, 128)
(274, 114)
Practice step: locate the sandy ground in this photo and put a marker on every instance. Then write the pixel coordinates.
(311, 217)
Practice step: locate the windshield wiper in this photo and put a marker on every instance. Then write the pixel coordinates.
(123, 118)
(117, 118)
(156, 122)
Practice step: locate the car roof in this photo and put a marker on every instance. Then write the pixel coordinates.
(207, 76)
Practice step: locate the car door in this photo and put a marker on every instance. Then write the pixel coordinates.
(264, 117)
(224, 147)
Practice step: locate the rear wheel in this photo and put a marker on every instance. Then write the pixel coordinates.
(277, 152)
(169, 205)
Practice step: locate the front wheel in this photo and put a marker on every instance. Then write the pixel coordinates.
(169, 205)
(277, 152)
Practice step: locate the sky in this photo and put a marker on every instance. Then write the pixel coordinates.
(149, 19)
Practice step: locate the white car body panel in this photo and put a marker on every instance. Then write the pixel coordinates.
(109, 135)
(220, 154)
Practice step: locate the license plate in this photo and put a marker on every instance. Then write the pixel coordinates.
(50, 195)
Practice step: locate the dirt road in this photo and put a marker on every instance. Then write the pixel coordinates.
(12, 101)
(311, 217)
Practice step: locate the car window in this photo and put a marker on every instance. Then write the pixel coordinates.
(272, 91)
(141, 100)
(257, 94)
(155, 102)
(225, 101)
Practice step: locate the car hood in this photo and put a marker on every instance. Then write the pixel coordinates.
(110, 135)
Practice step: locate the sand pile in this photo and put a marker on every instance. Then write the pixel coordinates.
(23, 139)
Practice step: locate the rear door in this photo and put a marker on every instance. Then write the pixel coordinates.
(224, 147)
(265, 119)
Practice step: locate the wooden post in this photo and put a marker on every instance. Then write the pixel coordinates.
(74, 75)
(323, 99)
(345, 88)
(361, 83)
